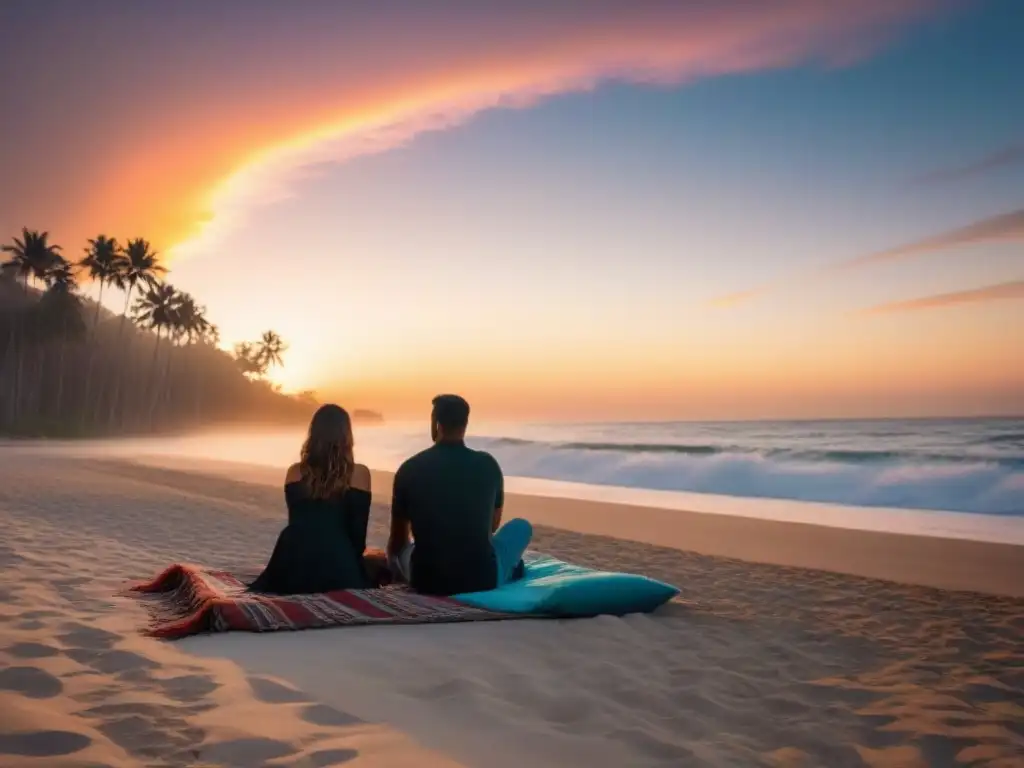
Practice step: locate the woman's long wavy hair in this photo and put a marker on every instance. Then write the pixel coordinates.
(326, 458)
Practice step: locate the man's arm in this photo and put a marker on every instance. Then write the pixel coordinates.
(399, 537)
(499, 499)
(400, 528)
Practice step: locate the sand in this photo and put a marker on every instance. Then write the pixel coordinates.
(758, 664)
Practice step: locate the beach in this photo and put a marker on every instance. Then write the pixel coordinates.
(790, 644)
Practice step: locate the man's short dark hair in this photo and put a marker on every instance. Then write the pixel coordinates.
(451, 412)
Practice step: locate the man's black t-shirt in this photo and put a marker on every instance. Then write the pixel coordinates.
(448, 493)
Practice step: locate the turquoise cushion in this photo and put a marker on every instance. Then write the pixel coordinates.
(550, 587)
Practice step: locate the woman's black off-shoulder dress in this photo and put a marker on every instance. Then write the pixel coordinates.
(322, 547)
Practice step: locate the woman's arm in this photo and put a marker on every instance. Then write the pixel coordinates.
(357, 517)
(293, 475)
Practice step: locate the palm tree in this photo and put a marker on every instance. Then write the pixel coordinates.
(193, 328)
(184, 322)
(32, 256)
(186, 318)
(157, 309)
(270, 349)
(205, 334)
(106, 265)
(140, 265)
(11, 270)
(210, 334)
(248, 360)
(201, 330)
(61, 276)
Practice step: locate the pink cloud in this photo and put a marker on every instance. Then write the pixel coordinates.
(731, 300)
(206, 116)
(999, 292)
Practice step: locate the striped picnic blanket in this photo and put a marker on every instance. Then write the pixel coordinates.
(190, 599)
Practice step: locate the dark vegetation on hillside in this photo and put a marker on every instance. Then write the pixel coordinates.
(68, 367)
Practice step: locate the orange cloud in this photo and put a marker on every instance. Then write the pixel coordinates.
(731, 300)
(999, 292)
(190, 121)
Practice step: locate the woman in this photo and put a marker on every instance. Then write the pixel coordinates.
(328, 497)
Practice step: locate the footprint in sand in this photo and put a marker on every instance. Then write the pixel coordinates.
(30, 681)
(113, 662)
(321, 714)
(244, 753)
(32, 650)
(326, 758)
(271, 692)
(86, 638)
(136, 675)
(40, 614)
(43, 743)
(148, 731)
(188, 689)
(30, 624)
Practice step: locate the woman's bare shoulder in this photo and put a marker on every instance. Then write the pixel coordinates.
(294, 474)
(361, 477)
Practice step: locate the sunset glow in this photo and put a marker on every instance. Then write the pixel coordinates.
(627, 211)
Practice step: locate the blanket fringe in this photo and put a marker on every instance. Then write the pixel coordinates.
(176, 604)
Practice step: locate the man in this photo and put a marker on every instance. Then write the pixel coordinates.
(445, 513)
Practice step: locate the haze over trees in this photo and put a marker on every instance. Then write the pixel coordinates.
(69, 367)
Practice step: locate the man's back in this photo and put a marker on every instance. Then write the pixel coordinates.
(448, 493)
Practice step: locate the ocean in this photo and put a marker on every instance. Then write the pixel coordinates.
(903, 475)
(955, 465)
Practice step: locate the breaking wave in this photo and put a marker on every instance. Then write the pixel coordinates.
(991, 484)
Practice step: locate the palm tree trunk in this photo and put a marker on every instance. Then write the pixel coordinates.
(165, 386)
(11, 353)
(59, 399)
(32, 396)
(92, 360)
(96, 313)
(124, 313)
(152, 378)
(119, 369)
(19, 339)
(200, 383)
(19, 376)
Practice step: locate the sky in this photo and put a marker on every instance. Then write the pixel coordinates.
(576, 210)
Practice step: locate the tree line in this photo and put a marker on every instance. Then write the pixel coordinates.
(73, 369)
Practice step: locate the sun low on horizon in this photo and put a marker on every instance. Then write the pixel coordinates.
(563, 211)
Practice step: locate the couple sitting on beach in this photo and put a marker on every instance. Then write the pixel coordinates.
(445, 515)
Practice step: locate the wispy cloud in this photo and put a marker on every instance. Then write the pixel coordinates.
(667, 46)
(1006, 227)
(230, 109)
(730, 300)
(1001, 228)
(999, 292)
(999, 160)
